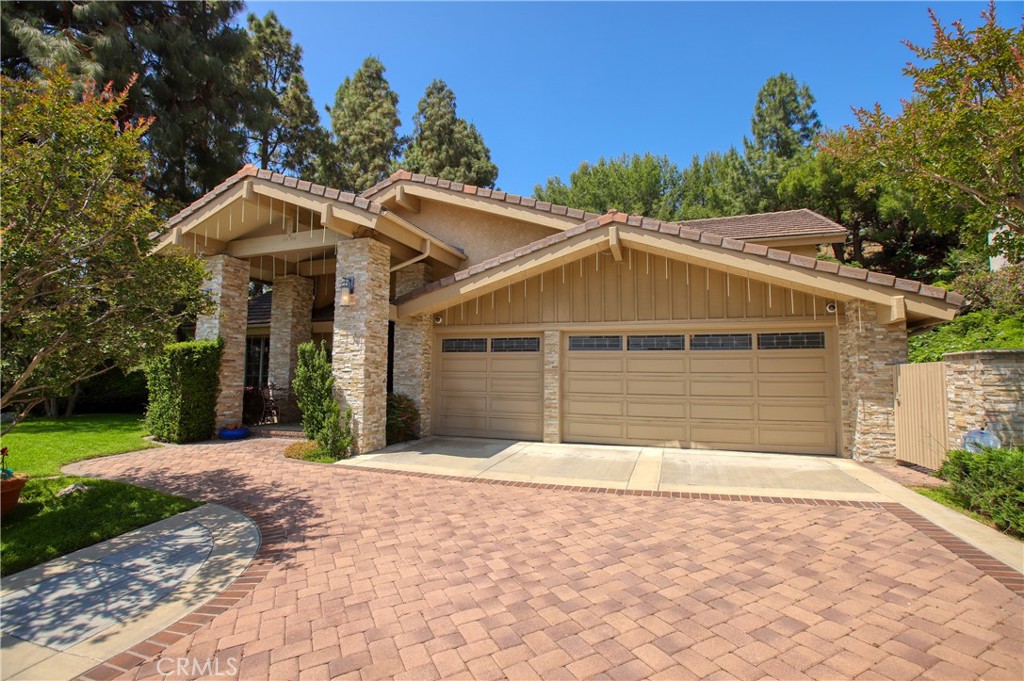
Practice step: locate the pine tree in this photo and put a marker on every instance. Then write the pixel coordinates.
(365, 123)
(446, 146)
(283, 128)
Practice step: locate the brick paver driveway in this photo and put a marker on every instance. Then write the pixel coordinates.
(379, 575)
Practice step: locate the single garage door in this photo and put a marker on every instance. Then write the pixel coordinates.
(490, 387)
(771, 391)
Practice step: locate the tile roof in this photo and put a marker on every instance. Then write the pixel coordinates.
(800, 222)
(685, 233)
(494, 194)
(250, 170)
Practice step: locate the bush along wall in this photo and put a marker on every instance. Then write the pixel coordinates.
(183, 384)
(991, 483)
(403, 419)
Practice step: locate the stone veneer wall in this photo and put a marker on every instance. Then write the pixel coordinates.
(868, 350)
(291, 323)
(361, 339)
(227, 279)
(552, 387)
(413, 362)
(985, 388)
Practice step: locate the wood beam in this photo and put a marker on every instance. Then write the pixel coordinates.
(317, 204)
(895, 313)
(283, 243)
(315, 268)
(613, 243)
(406, 200)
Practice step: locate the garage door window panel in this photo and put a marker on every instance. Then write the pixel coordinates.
(464, 345)
(531, 344)
(721, 341)
(595, 343)
(791, 341)
(644, 343)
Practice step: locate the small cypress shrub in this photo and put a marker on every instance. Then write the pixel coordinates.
(403, 420)
(182, 385)
(314, 387)
(990, 483)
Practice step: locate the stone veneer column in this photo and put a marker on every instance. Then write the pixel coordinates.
(414, 347)
(227, 279)
(868, 350)
(291, 323)
(552, 387)
(985, 388)
(361, 339)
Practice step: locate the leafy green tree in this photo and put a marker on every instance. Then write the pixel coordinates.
(283, 127)
(80, 293)
(446, 146)
(715, 186)
(783, 124)
(187, 59)
(958, 144)
(365, 122)
(648, 185)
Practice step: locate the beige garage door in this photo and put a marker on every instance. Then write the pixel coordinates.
(760, 391)
(490, 387)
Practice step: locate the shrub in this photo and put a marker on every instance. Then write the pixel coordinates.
(991, 483)
(335, 438)
(983, 330)
(1002, 290)
(403, 422)
(183, 384)
(314, 387)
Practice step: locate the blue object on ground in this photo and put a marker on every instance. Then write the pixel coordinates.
(977, 441)
(233, 433)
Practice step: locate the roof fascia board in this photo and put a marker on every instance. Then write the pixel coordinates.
(479, 203)
(797, 240)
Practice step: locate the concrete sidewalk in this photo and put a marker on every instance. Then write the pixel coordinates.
(680, 470)
(64, 617)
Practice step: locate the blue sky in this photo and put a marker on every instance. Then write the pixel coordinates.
(553, 84)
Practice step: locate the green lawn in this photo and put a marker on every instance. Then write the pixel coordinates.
(44, 526)
(41, 446)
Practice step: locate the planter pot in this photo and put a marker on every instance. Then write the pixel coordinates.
(10, 491)
(233, 433)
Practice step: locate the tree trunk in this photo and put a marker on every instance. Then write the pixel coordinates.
(69, 410)
(52, 407)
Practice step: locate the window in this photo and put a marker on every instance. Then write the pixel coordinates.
(655, 343)
(721, 341)
(257, 361)
(595, 342)
(790, 341)
(464, 345)
(515, 345)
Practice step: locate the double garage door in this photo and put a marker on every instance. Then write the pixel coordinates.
(770, 391)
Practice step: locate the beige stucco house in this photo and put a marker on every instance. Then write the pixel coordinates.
(508, 317)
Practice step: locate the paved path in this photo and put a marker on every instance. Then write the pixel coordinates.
(380, 575)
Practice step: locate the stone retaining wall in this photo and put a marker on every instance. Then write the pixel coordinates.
(985, 388)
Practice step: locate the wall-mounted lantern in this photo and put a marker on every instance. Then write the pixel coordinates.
(348, 288)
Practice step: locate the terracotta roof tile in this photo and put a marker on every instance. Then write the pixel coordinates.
(787, 223)
(778, 255)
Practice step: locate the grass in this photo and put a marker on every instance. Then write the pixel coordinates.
(44, 526)
(39, 447)
(944, 495)
(307, 451)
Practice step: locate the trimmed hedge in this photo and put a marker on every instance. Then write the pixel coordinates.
(403, 420)
(314, 387)
(183, 384)
(991, 483)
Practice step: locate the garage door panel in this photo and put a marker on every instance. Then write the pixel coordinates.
(723, 411)
(512, 427)
(529, 385)
(585, 407)
(795, 435)
(702, 364)
(637, 408)
(792, 387)
(792, 364)
(463, 404)
(725, 433)
(595, 362)
(595, 385)
(663, 432)
(463, 363)
(594, 431)
(794, 411)
(514, 363)
(465, 423)
(649, 385)
(463, 383)
(660, 364)
(506, 404)
(721, 386)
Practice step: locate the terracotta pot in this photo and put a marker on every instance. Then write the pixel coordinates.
(10, 491)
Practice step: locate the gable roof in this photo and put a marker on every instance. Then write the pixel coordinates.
(825, 270)
(780, 224)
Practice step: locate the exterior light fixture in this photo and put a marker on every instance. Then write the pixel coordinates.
(348, 287)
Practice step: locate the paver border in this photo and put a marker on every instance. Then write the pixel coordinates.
(267, 555)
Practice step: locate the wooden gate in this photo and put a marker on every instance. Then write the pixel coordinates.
(921, 426)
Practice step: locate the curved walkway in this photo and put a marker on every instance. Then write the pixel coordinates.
(375, 574)
(65, 616)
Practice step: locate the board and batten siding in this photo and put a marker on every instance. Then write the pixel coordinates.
(641, 287)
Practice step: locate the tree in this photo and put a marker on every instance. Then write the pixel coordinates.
(186, 57)
(784, 123)
(716, 186)
(648, 185)
(446, 146)
(79, 292)
(365, 122)
(958, 144)
(283, 128)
